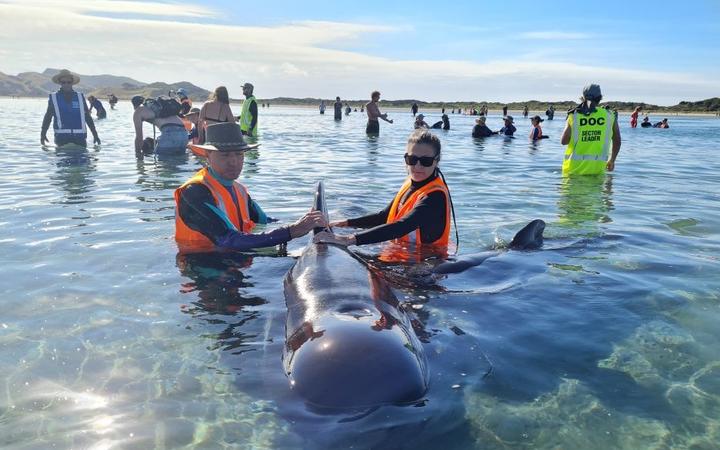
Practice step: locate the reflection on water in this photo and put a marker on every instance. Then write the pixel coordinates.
(161, 171)
(218, 282)
(109, 340)
(585, 201)
(250, 166)
(74, 173)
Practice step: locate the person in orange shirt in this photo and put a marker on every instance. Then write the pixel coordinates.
(420, 211)
(634, 117)
(213, 212)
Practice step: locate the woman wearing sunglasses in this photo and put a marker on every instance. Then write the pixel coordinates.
(420, 211)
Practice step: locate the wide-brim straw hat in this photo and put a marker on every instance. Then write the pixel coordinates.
(222, 137)
(65, 74)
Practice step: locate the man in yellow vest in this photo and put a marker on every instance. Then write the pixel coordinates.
(249, 114)
(591, 135)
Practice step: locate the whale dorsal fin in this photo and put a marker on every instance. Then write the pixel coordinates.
(319, 204)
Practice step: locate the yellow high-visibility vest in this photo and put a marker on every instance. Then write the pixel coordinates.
(589, 147)
(246, 118)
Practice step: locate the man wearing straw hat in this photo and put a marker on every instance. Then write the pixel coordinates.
(215, 212)
(68, 112)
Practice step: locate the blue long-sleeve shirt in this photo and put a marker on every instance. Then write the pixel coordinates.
(508, 130)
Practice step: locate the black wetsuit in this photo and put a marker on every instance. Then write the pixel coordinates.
(97, 104)
(424, 215)
(508, 130)
(480, 131)
(194, 209)
(186, 107)
(338, 110)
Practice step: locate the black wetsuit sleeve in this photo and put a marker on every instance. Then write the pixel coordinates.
(48, 117)
(89, 120)
(428, 215)
(195, 210)
(371, 220)
(254, 113)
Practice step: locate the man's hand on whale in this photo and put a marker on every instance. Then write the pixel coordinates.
(313, 219)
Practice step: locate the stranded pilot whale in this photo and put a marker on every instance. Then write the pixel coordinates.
(348, 343)
(529, 238)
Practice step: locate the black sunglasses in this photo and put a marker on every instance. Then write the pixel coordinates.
(425, 161)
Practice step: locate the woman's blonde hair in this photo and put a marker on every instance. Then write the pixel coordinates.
(220, 95)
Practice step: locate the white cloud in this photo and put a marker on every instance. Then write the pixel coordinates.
(117, 7)
(299, 59)
(292, 69)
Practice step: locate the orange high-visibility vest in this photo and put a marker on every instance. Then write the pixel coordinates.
(191, 241)
(398, 211)
(539, 136)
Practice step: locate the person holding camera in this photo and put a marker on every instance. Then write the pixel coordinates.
(173, 137)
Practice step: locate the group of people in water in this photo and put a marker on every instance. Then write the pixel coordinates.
(646, 120)
(481, 130)
(216, 212)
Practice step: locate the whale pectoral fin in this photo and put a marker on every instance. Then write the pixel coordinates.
(464, 264)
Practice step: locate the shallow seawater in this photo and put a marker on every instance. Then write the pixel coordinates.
(605, 338)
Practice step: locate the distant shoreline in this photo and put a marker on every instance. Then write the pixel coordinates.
(432, 108)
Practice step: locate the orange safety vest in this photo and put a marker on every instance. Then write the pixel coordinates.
(398, 211)
(191, 241)
(539, 136)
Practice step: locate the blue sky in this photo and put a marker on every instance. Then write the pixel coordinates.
(504, 51)
(627, 33)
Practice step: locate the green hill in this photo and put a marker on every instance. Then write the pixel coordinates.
(707, 105)
(39, 84)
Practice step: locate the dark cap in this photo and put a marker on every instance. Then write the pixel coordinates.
(538, 118)
(137, 100)
(592, 92)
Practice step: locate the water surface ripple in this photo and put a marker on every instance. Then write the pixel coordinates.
(606, 338)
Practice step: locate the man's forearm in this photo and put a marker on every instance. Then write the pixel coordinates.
(46, 123)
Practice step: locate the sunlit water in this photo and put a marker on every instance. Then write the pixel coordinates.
(605, 338)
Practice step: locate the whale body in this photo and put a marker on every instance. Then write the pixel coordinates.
(348, 342)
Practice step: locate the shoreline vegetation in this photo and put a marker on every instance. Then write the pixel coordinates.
(39, 85)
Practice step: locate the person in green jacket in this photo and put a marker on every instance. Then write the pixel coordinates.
(249, 114)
